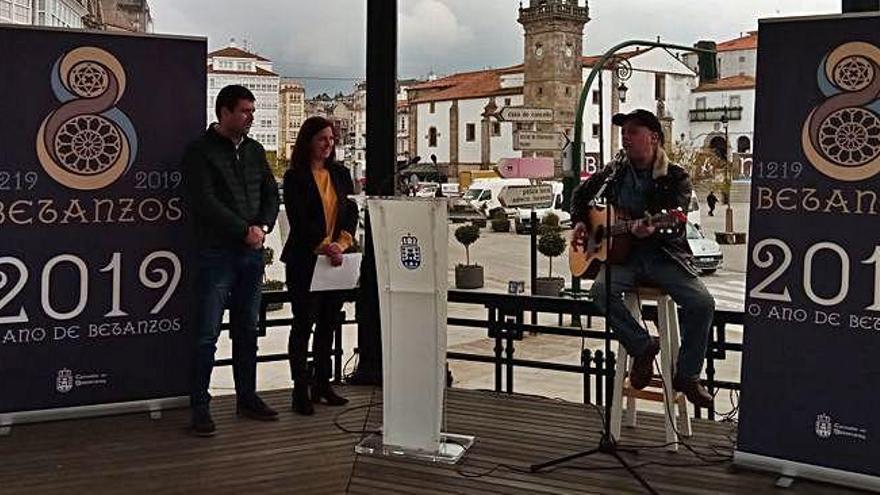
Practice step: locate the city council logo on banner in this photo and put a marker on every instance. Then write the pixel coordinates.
(824, 426)
(841, 137)
(64, 381)
(87, 143)
(410, 252)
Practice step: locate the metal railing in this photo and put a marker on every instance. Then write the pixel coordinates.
(505, 325)
(715, 114)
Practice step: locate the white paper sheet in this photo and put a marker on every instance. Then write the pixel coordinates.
(344, 277)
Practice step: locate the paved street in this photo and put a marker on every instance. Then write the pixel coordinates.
(505, 257)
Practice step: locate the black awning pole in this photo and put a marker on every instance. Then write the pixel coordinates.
(380, 172)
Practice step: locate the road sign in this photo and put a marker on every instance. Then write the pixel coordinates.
(526, 114)
(531, 167)
(532, 140)
(523, 196)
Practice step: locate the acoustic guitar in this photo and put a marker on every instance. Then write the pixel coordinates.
(612, 243)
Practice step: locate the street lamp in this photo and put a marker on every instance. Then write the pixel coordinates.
(621, 92)
(624, 71)
(728, 180)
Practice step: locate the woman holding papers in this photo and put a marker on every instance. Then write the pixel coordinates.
(322, 222)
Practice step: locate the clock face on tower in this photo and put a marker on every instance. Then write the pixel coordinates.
(539, 50)
(568, 50)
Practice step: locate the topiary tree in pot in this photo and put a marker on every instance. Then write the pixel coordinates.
(500, 222)
(271, 285)
(468, 276)
(551, 244)
(548, 223)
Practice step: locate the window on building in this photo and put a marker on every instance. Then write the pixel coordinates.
(568, 91)
(701, 103)
(742, 59)
(432, 137)
(402, 123)
(660, 87)
(470, 132)
(743, 144)
(734, 101)
(595, 97)
(431, 109)
(595, 130)
(507, 102)
(496, 128)
(540, 90)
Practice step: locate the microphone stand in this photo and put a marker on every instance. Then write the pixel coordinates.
(607, 443)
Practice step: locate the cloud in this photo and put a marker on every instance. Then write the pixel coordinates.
(430, 27)
(328, 38)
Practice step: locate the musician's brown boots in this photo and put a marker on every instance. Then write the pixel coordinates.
(693, 390)
(643, 365)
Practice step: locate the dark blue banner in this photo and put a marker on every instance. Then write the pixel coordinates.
(811, 361)
(96, 262)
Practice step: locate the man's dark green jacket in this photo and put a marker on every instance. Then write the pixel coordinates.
(229, 189)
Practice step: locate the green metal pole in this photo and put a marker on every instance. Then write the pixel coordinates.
(572, 181)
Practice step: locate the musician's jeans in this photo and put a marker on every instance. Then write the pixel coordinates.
(650, 266)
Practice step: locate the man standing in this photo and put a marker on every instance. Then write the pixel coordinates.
(711, 200)
(234, 201)
(644, 181)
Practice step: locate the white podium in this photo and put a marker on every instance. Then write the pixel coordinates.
(410, 239)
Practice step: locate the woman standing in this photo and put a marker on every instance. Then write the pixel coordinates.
(322, 223)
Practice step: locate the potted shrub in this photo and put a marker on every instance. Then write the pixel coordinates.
(500, 222)
(271, 285)
(551, 244)
(468, 276)
(548, 223)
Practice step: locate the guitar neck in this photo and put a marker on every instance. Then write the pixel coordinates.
(625, 226)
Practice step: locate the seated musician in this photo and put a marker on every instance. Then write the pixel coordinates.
(646, 182)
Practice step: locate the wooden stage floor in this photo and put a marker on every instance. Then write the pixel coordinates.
(304, 455)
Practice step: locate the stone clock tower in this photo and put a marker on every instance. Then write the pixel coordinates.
(552, 57)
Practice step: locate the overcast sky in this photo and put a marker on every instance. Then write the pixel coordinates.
(326, 38)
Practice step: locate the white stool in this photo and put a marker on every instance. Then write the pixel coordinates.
(667, 326)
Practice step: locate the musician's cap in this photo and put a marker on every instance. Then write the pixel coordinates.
(640, 117)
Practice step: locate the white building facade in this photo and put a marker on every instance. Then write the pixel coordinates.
(446, 115)
(722, 114)
(291, 115)
(60, 13)
(232, 65)
(17, 11)
(658, 82)
(359, 124)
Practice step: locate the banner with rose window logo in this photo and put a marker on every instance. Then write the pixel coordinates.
(811, 358)
(96, 258)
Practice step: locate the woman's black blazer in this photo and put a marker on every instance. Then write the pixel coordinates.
(305, 213)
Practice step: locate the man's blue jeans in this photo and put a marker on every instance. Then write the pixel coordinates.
(651, 266)
(228, 277)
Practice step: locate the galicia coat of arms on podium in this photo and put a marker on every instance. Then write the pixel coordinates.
(410, 252)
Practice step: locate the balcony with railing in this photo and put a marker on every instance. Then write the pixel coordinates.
(539, 10)
(716, 114)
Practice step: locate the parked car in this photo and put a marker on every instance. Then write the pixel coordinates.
(450, 189)
(694, 214)
(707, 253)
(427, 189)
